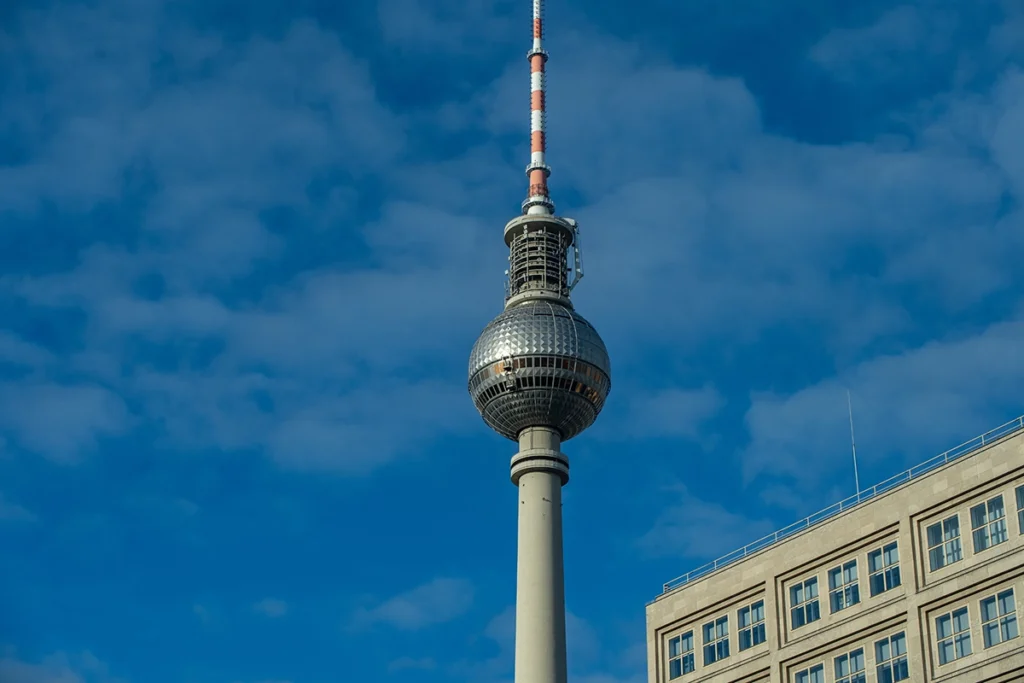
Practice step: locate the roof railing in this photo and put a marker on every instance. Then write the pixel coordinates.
(914, 472)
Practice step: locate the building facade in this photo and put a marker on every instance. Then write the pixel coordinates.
(919, 579)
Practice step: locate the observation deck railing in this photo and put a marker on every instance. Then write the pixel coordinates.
(966, 448)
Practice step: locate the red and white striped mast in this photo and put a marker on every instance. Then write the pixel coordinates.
(538, 201)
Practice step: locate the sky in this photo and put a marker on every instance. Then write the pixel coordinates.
(246, 247)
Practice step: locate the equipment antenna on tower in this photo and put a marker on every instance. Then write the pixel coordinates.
(853, 445)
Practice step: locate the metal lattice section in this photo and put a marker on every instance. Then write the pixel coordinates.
(537, 261)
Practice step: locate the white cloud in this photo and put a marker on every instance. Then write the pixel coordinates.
(12, 512)
(271, 607)
(700, 529)
(60, 667)
(411, 664)
(908, 406)
(435, 602)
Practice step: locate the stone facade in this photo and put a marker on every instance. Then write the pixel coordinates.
(902, 585)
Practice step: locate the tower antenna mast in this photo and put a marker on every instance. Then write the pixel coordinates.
(853, 444)
(539, 374)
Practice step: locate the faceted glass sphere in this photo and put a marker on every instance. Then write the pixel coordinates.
(539, 364)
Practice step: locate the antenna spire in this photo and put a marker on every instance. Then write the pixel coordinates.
(538, 201)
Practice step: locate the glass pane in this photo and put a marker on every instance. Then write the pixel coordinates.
(796, 594)
(901, 671)
(758, 611)
(942, 627)
(963, 645)
(687, 641)
(981, 539)
(722, 627)
(842, 666)
(885, 674)
(934, 535)
(834, 580)
(977, 516)
(882, 650)
(709, 632)
(857, 660)
(675, 668)
(813, 613)
(745, 637)
(673, 647)
(759, 634)
(877, 584)
(1009, 628)
(936, 558)
(892, 554)
(988, 609)
(709, 654)
(850, 572)
(1020, 497)
(875, 560)
(960, 622)
(899, 645)
(797, 617)
(892, 577)
(952, 526)
(812, 589)
(990, 632)
(688, 664)
(744, 617)
(995, 508)
(945, 652)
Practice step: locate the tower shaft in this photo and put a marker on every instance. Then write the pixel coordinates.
(539, 470)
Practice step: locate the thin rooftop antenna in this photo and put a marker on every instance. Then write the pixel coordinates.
(538, 201)
(853, 445)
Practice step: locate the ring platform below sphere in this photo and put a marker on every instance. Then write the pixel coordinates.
(539, 364)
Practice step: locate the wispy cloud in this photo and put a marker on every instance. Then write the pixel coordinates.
(271, 607)
(12, 512)
(435, 602)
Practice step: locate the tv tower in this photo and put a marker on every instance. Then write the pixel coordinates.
(539, 374)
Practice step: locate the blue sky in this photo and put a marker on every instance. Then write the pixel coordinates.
(245, 248)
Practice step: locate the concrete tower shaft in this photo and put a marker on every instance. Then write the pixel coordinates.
(539, 374)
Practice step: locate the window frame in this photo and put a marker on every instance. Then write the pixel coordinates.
(893, 660)
(753, 628)
(718, 643)
(810, 671)
(1001, 618)
(683, 654)
(1019, 495)
(848, 591)
(945, 545)
(988, 526)
(811, 582)
(956, 638)
(886, 571)
(858, 676)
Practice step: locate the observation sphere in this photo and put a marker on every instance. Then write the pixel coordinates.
(539, 364)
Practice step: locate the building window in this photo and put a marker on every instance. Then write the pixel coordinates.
(680, 655)
(988, 524)
(850, 667)
(999, 618)
(884, 569)
(816, 674)
(1020, 509)
(891, 659)
(716, 640)
(843, 590)
(751, 620)
(953, 631)
(803, 601)
(944, 543)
